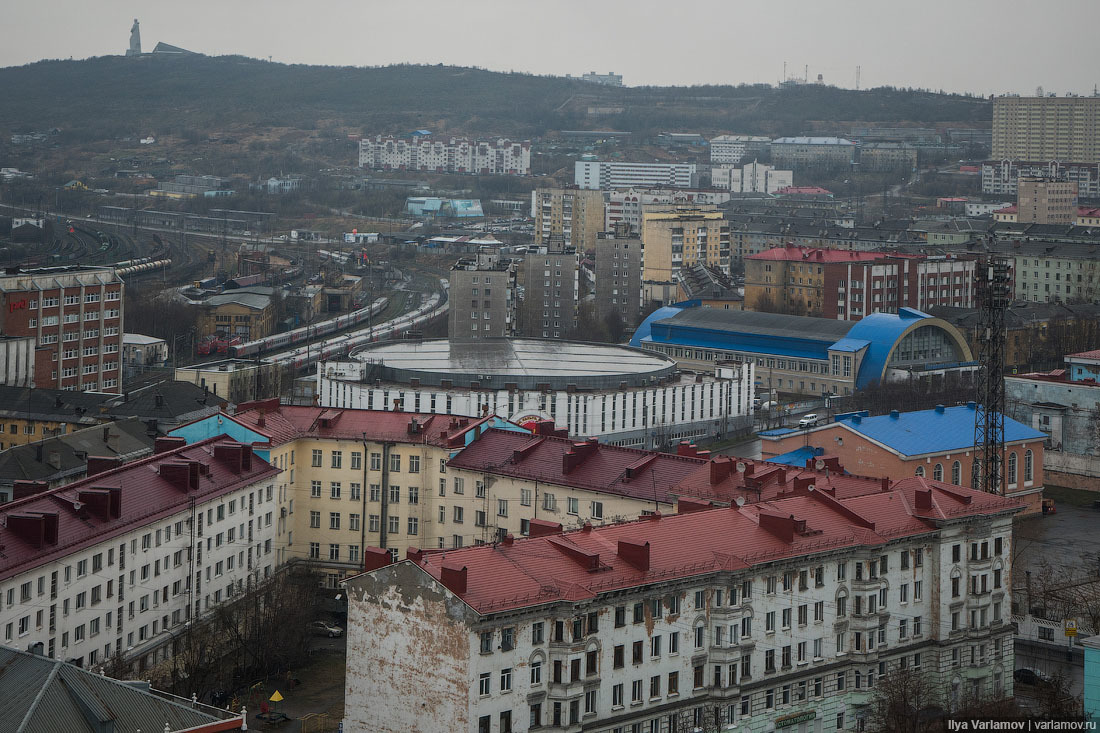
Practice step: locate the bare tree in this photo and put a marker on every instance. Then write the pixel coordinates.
(905, 701)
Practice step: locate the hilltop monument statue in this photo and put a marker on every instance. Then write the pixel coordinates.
(135, 40)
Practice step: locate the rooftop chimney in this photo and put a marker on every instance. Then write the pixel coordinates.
(167, 443)
(635, 553)
(99, 464)
(374, 558)
(454, 577)
(543, 528)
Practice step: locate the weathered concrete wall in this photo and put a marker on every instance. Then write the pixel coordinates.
(408, 654)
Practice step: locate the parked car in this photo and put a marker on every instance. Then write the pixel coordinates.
(1028, 676)
(324, 628)
(808, 421)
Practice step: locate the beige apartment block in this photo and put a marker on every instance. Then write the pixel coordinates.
(681, 237)
(1065, 129)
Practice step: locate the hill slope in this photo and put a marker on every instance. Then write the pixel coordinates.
(114, 95)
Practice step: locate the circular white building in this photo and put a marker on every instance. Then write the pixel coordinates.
(618, 394)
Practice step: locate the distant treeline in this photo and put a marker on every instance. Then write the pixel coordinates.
(115, 96)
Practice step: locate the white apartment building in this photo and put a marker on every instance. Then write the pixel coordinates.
(750, 178)
(730, 149)
(497, 156)
(782, 614)
(628, 204)
(1001, 177)
(119, 562)
(609, 174)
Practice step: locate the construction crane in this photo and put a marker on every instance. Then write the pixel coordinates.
(993, 286)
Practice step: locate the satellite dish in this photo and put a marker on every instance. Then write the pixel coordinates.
(740, 467)
(811, 487)
(819, 464)
(740, 501)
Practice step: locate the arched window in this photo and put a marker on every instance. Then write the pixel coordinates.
(1029, 460)
(956, 473)
(937, 472)
(920, 471)
(1011, 475)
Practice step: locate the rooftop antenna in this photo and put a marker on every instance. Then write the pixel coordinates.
(784, 71)
(806, 74)
(857, 77)
(653, 480)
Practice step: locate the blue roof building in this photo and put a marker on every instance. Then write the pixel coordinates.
(807, 355)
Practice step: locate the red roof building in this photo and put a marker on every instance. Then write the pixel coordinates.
(730, 612)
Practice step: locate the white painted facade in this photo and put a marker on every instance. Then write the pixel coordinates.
(730, 149)
(132, 593)
(750, 178)
(607, 174)
(497, 156)
(688, 407)
(796, 644)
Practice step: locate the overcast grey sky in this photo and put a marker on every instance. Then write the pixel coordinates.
(983, 46)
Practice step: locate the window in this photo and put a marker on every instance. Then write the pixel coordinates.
(574, 505)
(315, 489)
(316, 458)
(395, 462)
(536, 672)
(376, 461)
(337, 459)
(315, 520)
(334, 490)
(673, 683)
(1028, 466)
(484, 684)
(597, 510)
(502, 507)
(506, 679)
(334, 520)
(356, 460)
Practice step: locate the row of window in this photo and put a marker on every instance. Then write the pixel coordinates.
(336, 460)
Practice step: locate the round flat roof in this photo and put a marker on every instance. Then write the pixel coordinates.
(525, 363)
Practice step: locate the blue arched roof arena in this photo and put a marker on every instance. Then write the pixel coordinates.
(774, 334)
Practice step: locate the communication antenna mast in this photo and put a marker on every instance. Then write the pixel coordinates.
(857, 77)
(993, 284)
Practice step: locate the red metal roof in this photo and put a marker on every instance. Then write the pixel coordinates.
(284, 423)
(518, 573)
(816, 190)
(44, 527)
(1094, 354)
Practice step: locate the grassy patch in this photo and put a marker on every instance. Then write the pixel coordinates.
(1075, 497)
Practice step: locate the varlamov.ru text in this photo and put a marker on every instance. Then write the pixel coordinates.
(1020, 725)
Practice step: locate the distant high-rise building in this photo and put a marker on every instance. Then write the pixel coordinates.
(572, 216)
(1046, 129)
(482, 298)
(679, 238)
(608, 174)
(1043, 200)
(627, 204)
(619, 275)
(1001, 177)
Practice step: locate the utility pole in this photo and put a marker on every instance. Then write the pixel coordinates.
(993, 291)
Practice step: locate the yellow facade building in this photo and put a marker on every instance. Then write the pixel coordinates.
(674, 239)
(1043, 129)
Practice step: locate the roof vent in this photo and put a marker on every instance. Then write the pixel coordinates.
(894, 414)
(940, 408)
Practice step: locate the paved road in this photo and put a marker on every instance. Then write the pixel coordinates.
(1067, 537)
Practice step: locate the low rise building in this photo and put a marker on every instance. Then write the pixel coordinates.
(752, 177)
(619, 174)
(234, 380)
(848, 285)
(887, 157)
(709, 286)
(812, 152)
(245, 313)
(730, 149)
(1041, 200)
(619, 395)
(750, 616)
(496, 156)
(140, 351)
(937, 443)
(809, 356)
(52, 462)
(112, 565)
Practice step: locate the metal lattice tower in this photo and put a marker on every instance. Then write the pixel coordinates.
(993, 290)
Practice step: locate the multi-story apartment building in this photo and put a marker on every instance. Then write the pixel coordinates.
(619, 275)
(118, 563)
(627, 205)
(679, 238)
(1041, 200)
(730, 149)
(1047, 128)
(616, 174)
(567, 215)
(809, 152)
(551, 291)
(357, 478)
(482, 298)
(887, 157)
(764, 615)
(752, 177)
(74, 314)
(1001, 177)
(1044, 272)
(497, 156)
(849, 285)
